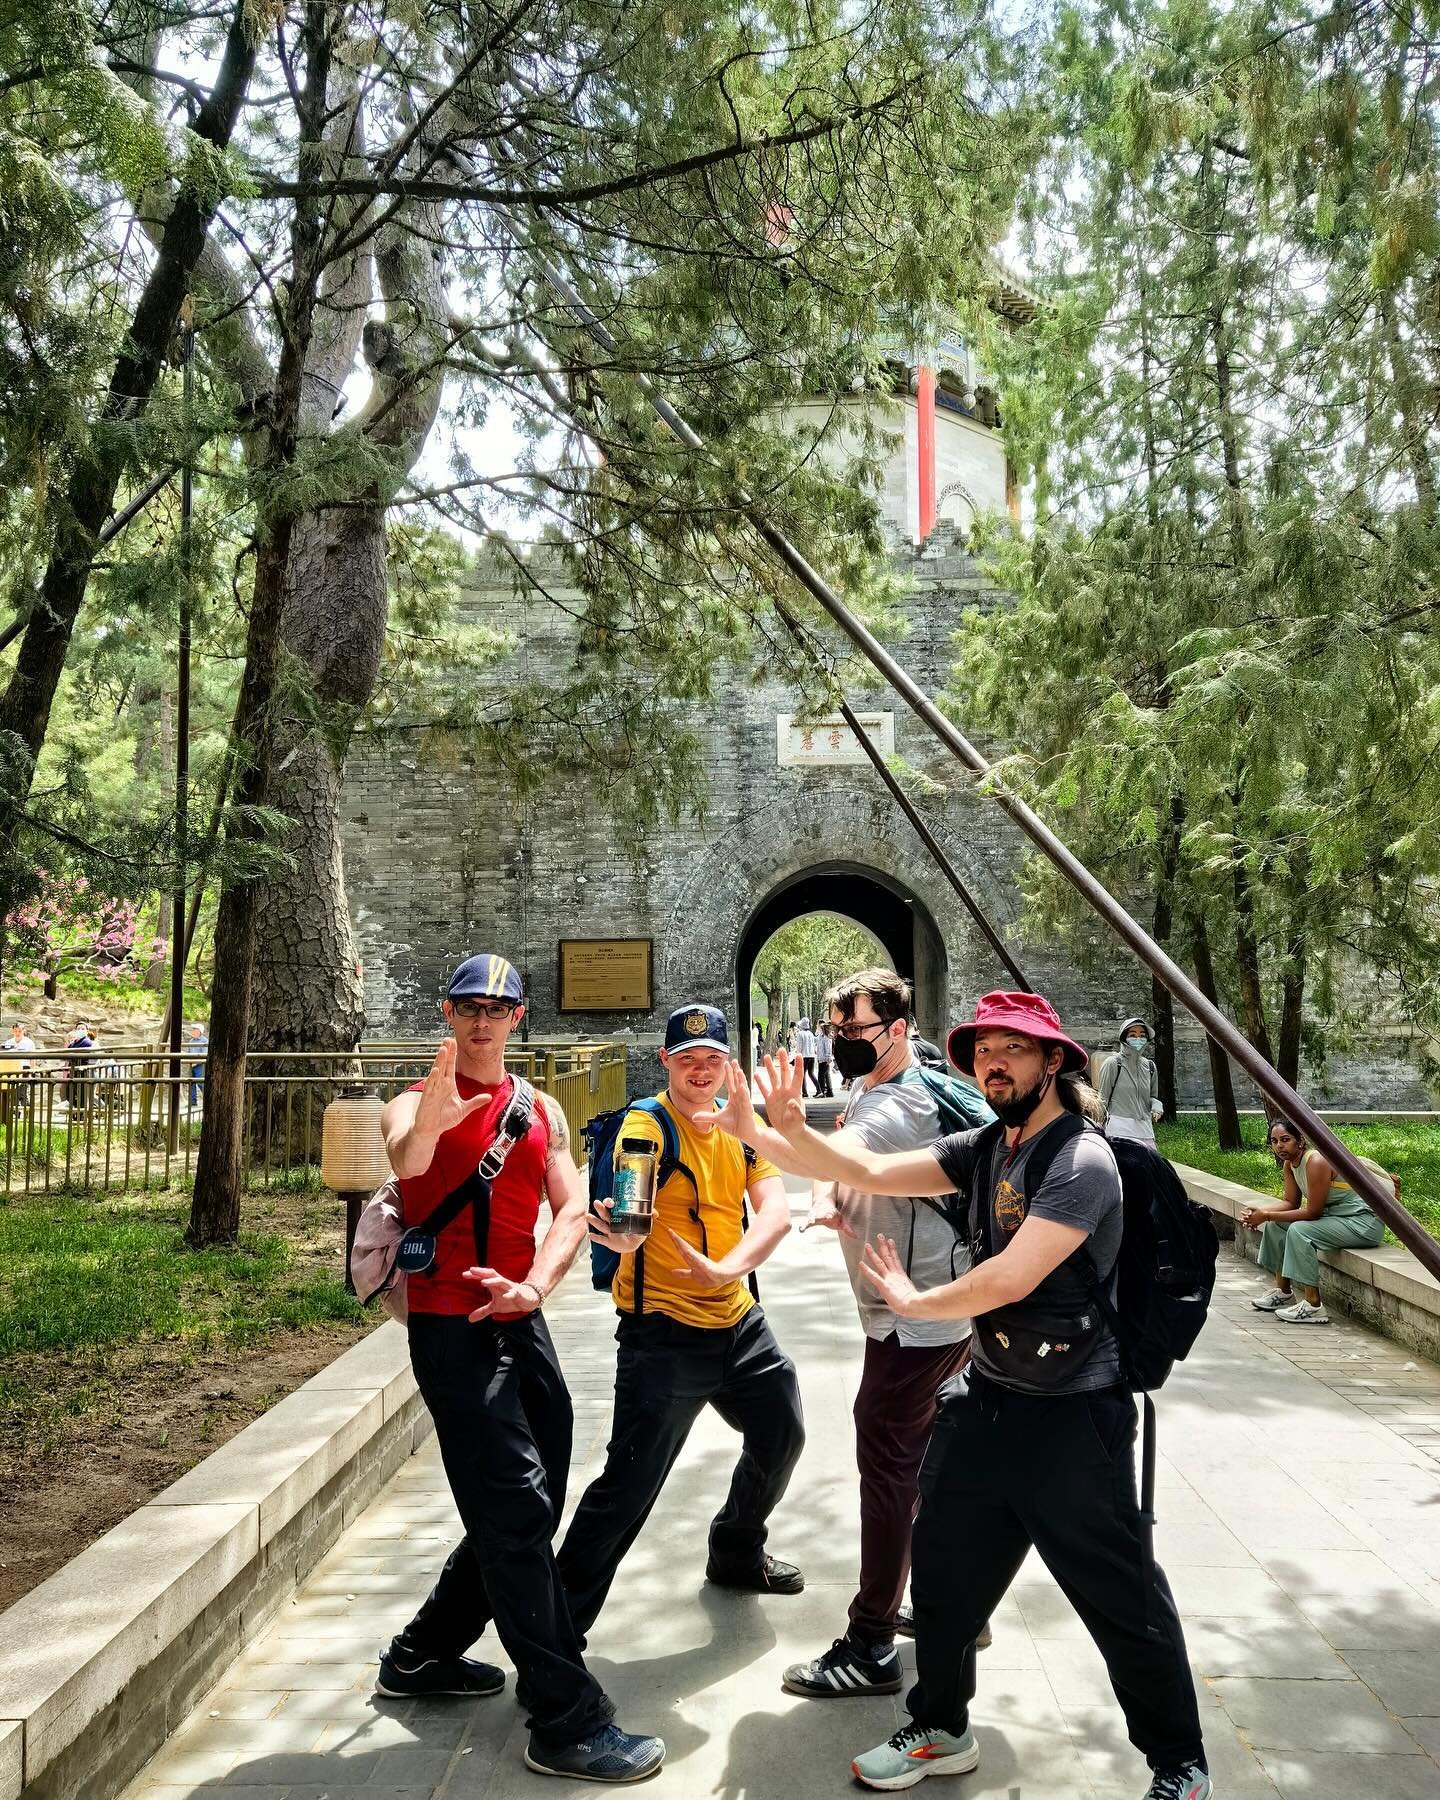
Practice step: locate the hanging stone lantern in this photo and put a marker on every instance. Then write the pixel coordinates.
(352, 1155)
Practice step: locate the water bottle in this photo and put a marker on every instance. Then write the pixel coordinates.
(633, 1189)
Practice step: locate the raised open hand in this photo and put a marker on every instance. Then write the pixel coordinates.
(781, 1080)
(737, 1115)
(441, 1108)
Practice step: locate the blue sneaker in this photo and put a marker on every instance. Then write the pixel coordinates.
(914, 1752)
(610, 1755)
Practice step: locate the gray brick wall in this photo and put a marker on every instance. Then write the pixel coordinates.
(442, 861)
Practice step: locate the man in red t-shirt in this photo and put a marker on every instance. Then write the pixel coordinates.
(487, 1370)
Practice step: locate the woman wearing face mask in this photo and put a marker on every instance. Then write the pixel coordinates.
(1130, 1085)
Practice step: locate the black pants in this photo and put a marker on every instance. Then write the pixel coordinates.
(1005, 1471)
(822, 1077)
(503, 1420)
(664, 1374)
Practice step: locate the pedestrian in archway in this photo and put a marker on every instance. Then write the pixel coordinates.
(1130, 1085)
(805, 1050)
(824, 1059)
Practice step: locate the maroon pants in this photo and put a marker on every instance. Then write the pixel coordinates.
(894, 1411)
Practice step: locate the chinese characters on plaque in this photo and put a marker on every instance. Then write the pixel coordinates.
(830, 743)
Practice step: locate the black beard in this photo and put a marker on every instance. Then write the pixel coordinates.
(1017, 1109)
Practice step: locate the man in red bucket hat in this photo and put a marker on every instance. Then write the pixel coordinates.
(1034, 1442)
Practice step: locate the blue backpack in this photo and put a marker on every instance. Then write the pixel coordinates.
(599, 1139)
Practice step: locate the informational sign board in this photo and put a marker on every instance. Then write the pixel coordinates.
(606, 974)
(830, 743)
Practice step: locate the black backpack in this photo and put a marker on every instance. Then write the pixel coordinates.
(1166, 1270)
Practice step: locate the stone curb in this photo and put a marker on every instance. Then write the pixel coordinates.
(99, 1663)
(1385, 1287)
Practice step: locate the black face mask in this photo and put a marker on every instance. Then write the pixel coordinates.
(854, 1057)
(1017, 1111)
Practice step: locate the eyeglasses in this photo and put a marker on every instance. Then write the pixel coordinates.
(491, 1009)
(852, 1031)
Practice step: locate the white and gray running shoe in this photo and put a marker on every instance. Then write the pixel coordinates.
(1273, 1301)
(1303, 1313)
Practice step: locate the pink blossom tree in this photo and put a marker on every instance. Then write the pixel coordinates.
(66, 924)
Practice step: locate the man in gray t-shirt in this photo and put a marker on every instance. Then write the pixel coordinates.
(1081, 1188)
(889, 1108)
(899, 1113)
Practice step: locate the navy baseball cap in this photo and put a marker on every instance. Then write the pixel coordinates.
(697, 1027)
(485, 978)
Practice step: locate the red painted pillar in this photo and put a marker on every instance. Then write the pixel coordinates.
(925, 444)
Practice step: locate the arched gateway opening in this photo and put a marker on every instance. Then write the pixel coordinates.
(874, 900)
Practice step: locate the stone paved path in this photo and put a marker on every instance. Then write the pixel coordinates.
(1300, 1525)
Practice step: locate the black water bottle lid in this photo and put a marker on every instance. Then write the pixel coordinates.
(638, 1146)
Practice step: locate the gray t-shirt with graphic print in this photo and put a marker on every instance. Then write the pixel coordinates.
(893, 1116)
(1082, 1188)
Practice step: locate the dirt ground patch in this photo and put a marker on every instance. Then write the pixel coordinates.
(109, 1428)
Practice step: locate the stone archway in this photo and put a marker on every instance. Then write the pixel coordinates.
(847, 833)
(884, 906)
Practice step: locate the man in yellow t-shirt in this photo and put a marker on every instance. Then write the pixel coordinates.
(692, 1334)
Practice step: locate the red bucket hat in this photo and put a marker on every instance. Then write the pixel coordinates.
(1031, 1014)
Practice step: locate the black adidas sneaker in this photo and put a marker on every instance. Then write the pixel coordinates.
(846, 1668)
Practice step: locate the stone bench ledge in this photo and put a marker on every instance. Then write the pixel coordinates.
(70, 1646)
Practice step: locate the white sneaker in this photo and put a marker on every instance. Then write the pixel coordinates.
(1273, 1301)
(1303, 1313)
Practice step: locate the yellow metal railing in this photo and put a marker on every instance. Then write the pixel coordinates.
(119, 1120)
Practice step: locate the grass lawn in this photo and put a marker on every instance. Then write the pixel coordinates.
(125, 1358)
(1411, 1151)
(89, 1284)
(77, 1271)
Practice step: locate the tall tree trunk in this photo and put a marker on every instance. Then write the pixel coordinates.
(1292, 973)
(1161, 999)
(157, 976)
(309, 992)
(29, 696)
(1227, 1118)
(1247, 961)
(219, 1168)
(772, 1018)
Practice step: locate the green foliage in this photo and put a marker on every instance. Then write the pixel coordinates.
(1218, 679)
(754, 204)
(808, 956)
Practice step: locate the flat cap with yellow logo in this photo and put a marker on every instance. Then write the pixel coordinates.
(697, 1027)
(485, 977)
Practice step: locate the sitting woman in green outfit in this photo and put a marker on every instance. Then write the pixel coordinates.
(1320, 1211)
